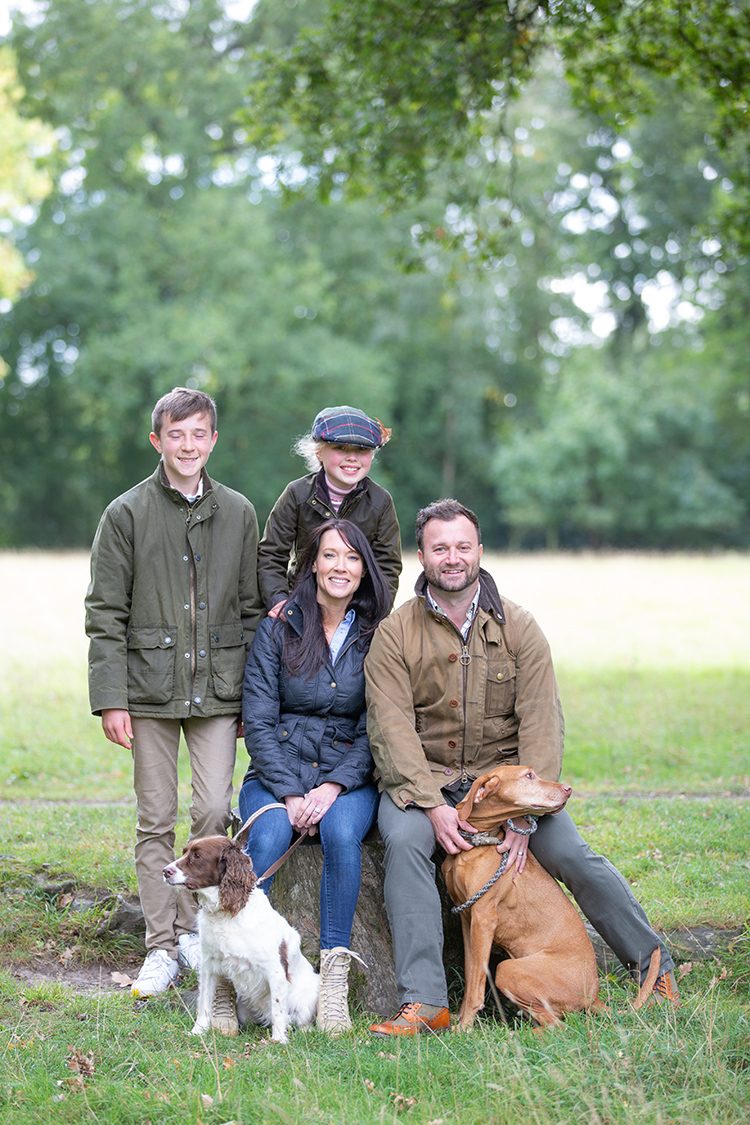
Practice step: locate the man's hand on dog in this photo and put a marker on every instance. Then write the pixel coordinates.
(517, 848)
(445, 824)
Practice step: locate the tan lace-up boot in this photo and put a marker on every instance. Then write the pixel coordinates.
(224, 1009)
(333, 1002)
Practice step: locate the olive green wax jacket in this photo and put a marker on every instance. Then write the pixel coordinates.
(173, 601)
(302, 507)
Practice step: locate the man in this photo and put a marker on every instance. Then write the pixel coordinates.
(458, 682)
(170, 613)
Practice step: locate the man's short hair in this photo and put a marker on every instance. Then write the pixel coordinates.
(179, 404)
(444, 510)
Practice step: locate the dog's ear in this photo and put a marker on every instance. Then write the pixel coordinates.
(487, 786)
(237, 879)
(465, 806)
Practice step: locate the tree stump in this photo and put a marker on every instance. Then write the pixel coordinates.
(296, 895)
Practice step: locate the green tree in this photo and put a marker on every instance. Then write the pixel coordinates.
(381, 95)
(24, 181)
(619, 462)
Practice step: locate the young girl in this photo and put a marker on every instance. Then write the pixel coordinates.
(339, 451)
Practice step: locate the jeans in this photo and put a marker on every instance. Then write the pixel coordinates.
(342, 830)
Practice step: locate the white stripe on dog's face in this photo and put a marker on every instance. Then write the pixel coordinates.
(173, 875)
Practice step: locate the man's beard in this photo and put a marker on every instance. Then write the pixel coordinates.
(452, 583)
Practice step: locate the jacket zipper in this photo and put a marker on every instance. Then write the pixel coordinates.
(465, 659)
(193, 622)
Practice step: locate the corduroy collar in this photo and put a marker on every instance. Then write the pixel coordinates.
(489, 598)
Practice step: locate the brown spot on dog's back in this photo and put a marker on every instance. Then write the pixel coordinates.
(284, 958)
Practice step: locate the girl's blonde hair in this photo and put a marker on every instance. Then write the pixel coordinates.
(307, 448)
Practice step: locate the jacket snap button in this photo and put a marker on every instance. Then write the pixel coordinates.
(335, 742)
(454, 703)
(333, 683)
(448, 772)
(167, 640)
(453, 658)
(452, 745)
(499, 675)
(284, 733)
(315, 765)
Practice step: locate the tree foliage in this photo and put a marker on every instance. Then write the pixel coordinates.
(376, 95)
(169, 252)
(24, 181)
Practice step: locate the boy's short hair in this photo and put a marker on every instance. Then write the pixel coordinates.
(179, 404)
(444, 510)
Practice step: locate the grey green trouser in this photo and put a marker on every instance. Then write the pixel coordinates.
(413, 906)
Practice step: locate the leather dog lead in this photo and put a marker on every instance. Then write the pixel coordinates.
(274, 866)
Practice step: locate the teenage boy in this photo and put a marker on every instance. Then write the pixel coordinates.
(171, 610)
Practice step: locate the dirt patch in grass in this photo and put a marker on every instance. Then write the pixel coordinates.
(96, 977)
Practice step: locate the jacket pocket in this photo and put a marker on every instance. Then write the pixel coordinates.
(151, 664)
(500, 694)
(228, 656)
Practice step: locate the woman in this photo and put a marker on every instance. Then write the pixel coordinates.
(305, 728)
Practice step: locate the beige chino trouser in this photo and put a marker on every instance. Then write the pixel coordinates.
(212, 745)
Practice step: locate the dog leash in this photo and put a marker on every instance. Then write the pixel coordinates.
(483, 839)
(274, 866)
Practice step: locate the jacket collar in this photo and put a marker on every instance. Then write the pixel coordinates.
(489, 598)
(161, 476)
(294, 616)
(321, 488)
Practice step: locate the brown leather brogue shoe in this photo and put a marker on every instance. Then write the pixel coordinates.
(664, 991)
(414, 1019)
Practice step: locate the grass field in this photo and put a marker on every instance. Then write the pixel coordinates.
(653, 659)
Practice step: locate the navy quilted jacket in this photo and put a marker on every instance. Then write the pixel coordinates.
(300, 733)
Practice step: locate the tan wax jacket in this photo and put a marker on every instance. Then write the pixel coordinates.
(441, 710)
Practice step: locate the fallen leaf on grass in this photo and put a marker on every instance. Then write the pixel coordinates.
(683, 970)
(400, 1102)
(370, 1086)
(206, 1101)
(80, 1063)
(383, 1055)
(122, 980)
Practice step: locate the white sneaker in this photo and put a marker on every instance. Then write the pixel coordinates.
(156, 975)
(189, 951)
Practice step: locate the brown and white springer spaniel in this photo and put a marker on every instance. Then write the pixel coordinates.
(244, 940)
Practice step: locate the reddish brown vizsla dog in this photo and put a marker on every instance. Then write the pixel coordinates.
(552, 966)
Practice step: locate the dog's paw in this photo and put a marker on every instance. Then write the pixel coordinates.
(199, 1028)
